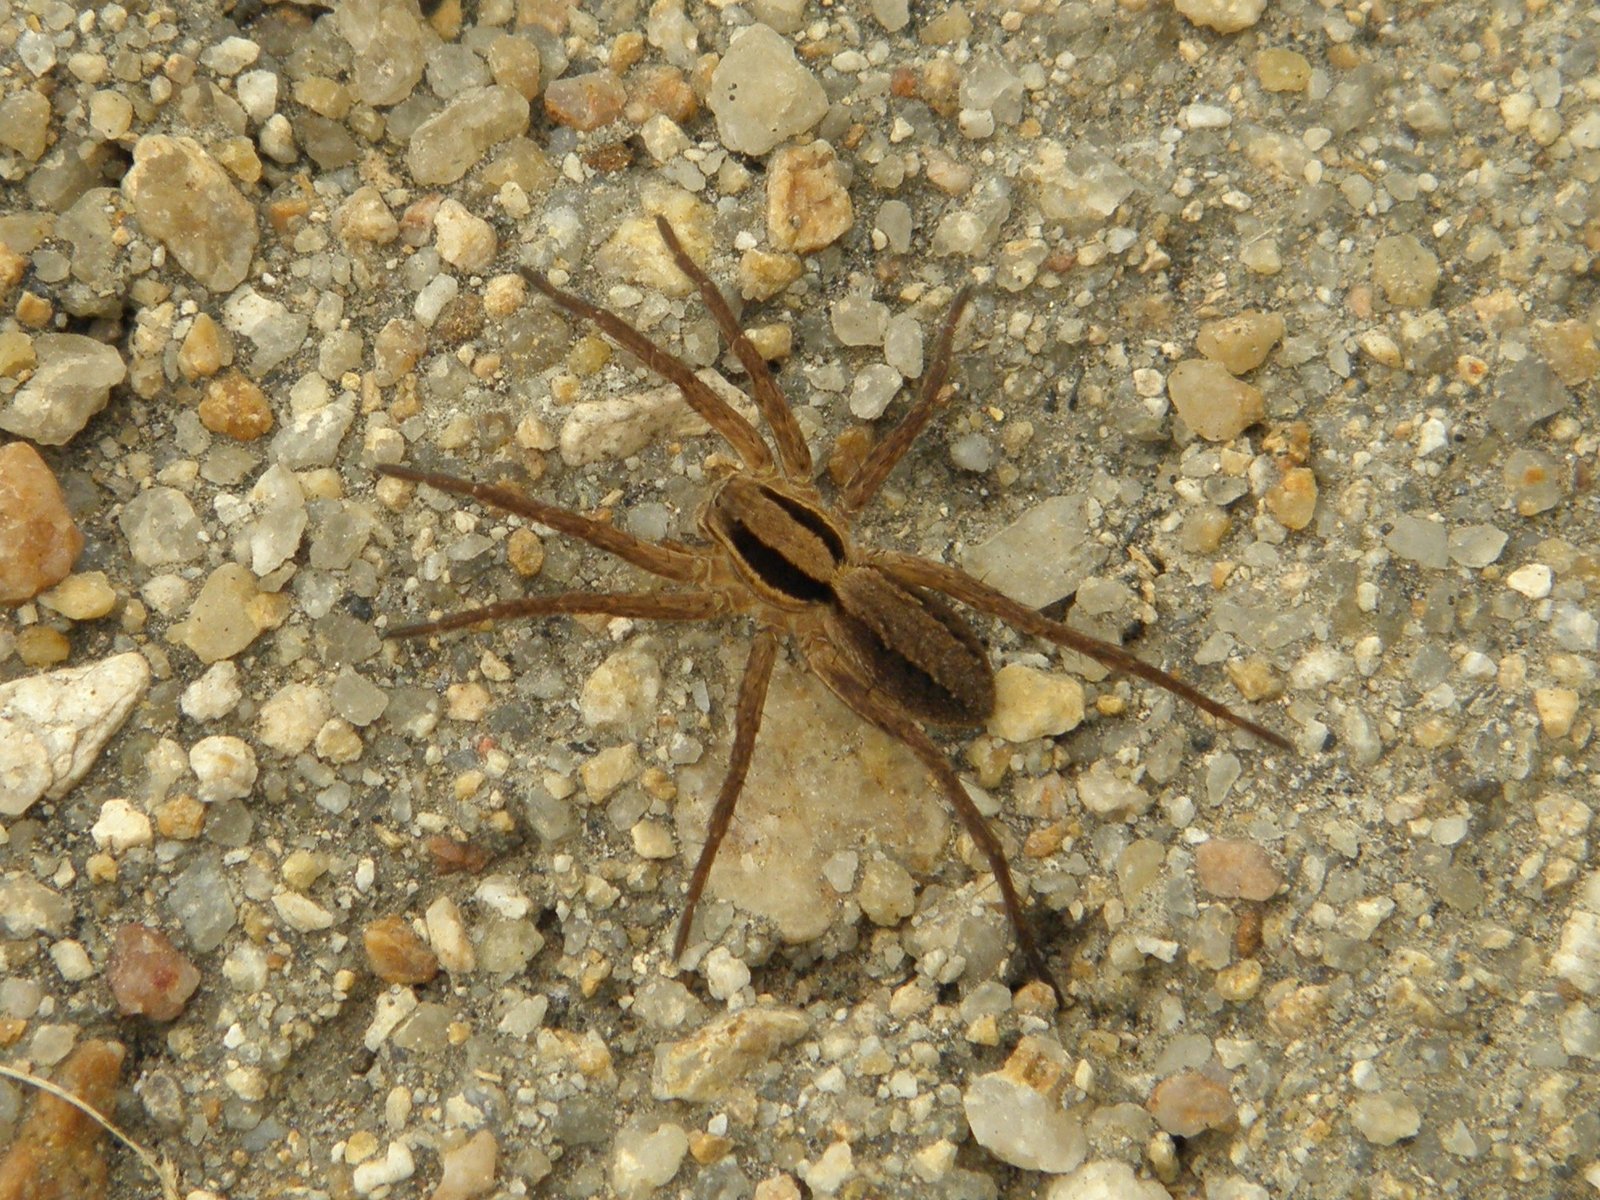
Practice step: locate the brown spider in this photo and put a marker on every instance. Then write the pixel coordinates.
(872, 624)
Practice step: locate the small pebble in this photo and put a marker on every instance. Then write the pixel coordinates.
(1034, 704)
(709, 1063)
(761, 95)
(447, 934)
(71, 382)
(1532, 580)
(1232, 868)
(184, 199)
(1188, 1104)
(1224, 16)
(1211, 401)
(585, 102)
(1406, 270)
(120, 827)
(39, 541)
(225, 767)
(1293, 499)
(1016, 1113)
(808, 205)
(1240, 343)
(148, 975)
(643, 1162)
(236, 407)
(1386, 1117)
(396, 954)
(468, 1170)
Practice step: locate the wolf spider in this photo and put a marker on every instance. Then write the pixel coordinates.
(876, 626)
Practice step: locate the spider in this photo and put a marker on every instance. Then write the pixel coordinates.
(876, 626)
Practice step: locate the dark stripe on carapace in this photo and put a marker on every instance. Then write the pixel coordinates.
(777, 572)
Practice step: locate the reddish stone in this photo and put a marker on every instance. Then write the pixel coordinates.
(39, 541)
(56, 1154)
(585, 102)
(149, 976)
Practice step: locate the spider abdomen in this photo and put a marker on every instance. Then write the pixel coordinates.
(912, 645)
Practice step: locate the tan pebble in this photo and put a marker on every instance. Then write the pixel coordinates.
(396, 954)
(585, 102)
(637, 253)
(525, 552)
(1255, 678)
(1204, 529)
(808, 205)
(180, 818)
(708, 1148)
(887, 893)
(323, 96)
(609, 770)
(1557, 708)
(1300, 1011)
(41, 646)
(660, 90)
(984, 1031)
(1233, 868)
(85, 597)
(1033, 704)
(1293, 499)
(1569, 347)
(1433, 732)
(17, 354)
(1035, 998)
(447, 933)
(206, 348)
(763, 273)
(774, 342)
(1239, 981)
(1211, 401)
(1281, 70)
(1242, 342)
(33, 311)
(236, 407)
(366, 217)
(464, 240)
(466, 701)
(514, 62)
(338, 742)
(13, 268)
(39, 541)
(1381, 348)
(1189, 1103)
(468, 1170)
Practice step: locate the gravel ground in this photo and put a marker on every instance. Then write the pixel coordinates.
(1281, 368)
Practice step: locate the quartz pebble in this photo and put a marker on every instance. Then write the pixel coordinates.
(708, 1064)
(85, 597)
(468, 1169)
(39, 541)
(148, 975)
(1105, 793)
(1016, 1114)
(620, 696)
(229, 613)
(465, 241)
(291, 717)
(1108, 1179)
(1385, 1118)
(642, 1162)
(1240, 343)
(120, 827)
(1224, 16)
(447, 145)
(808, 205)
(1293, 499)
(1211, 401)
(599, 430)
(183, 198)
(761, 95)
(236, 407)
(225, 767)
(161, 528)
(71, 382)
(1406, 270)
(1082, 187)
(1041, 556)
(585, 102)
(53, 726)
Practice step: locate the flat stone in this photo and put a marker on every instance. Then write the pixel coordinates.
(1233, 868)
(53, 726)
(1016, 1114)
(1041, 556)
(39, 540)
(182, 197)
(229, 613)
(448, 145)
(1034, 704)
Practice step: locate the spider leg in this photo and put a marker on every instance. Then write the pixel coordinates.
(648, 606)
(746, 724)
(683, 566)
(716, 411)
(792, 450)
(922, 572)
(869, 476)
(860, 696)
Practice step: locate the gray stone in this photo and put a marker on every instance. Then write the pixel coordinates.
(71, 382)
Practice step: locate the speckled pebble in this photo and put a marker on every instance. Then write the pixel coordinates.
(148, 975)
(236, 407)
(709, 1063)
(585, 102)
(396, 954)
(1406, 270)
(229, 613)
(620, 696)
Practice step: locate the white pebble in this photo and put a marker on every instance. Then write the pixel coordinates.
(1532, 580)
(120, 827)
(225, 767)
